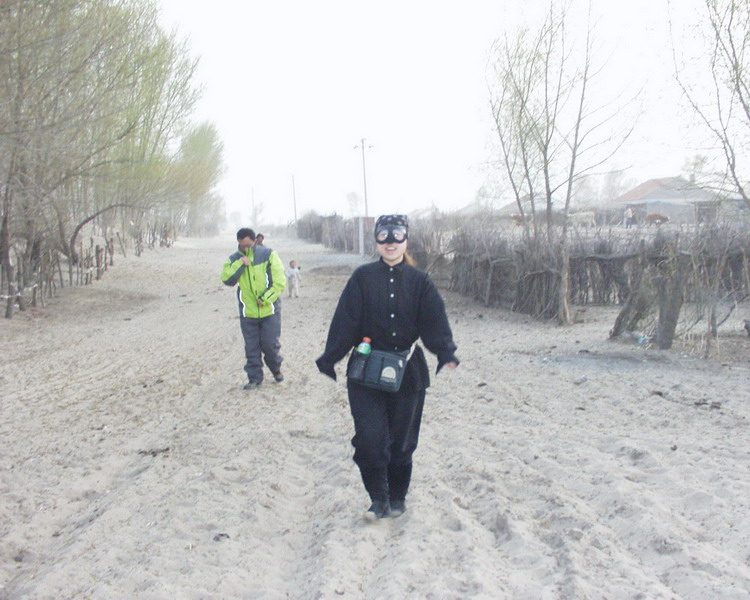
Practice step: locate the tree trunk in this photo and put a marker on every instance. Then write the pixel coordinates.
(5, 243)
(637, 301)
(671, 297)
(11, 274)
(563, 310)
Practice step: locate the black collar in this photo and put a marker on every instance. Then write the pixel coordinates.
(396, 266)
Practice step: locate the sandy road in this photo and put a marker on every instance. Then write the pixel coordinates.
(134, 466)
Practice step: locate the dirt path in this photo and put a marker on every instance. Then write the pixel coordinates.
(553, 463)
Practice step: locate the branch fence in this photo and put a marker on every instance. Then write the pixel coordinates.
(667, 280)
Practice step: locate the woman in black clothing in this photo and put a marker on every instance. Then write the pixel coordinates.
(393, 303)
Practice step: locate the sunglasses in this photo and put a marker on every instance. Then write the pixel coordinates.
(390, 234)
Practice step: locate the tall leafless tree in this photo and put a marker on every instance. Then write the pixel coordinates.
(723, 106)
(550, 134)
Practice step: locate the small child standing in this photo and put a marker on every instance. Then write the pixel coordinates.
(293, 278)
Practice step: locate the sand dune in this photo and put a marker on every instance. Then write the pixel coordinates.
(552, 464)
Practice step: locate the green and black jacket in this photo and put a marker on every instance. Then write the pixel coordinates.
(263, 279)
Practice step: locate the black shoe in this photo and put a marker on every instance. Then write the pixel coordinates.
(253, 385)
(278, 377)
(377, 510)
(398, 508)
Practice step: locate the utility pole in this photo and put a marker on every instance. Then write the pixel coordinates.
(294, 200)
(364, 171)
(252, 206)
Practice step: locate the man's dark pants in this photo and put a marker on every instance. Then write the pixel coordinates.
(261, 345)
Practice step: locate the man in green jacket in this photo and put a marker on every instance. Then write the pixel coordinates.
(259, 275)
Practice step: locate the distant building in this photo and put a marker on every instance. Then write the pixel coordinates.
(507, 210)
(473, 209)
(540, 206)
(678, 199)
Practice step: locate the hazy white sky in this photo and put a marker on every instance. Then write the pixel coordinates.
(294, 85)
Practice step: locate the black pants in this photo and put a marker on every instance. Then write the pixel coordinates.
(386, 426)
(386, 432)
(261, 345)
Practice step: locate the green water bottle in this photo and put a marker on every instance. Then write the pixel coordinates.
(364, 346)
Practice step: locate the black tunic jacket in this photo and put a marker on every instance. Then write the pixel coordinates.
(393, 306)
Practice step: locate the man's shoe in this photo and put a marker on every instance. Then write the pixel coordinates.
(377, 510)
(278, 377)
(398, 508)
(251, 385)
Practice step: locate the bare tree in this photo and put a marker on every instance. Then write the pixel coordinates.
(723, 106)
(355, 202)
(550, 134)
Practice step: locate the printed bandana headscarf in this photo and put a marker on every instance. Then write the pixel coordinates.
(391, 228)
